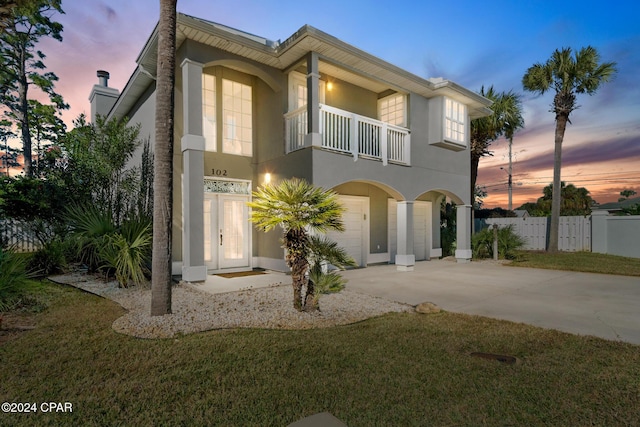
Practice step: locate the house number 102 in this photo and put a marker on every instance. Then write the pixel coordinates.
(219, 172)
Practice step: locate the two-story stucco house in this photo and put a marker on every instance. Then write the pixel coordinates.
(251, 111)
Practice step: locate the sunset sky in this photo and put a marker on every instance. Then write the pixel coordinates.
(473, 43)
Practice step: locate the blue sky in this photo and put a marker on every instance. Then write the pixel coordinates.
(473, 43)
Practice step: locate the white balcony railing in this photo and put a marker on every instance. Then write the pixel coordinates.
(351, 133)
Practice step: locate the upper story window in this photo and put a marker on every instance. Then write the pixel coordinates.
(209, 112)
(392, 109)
(228, 104)
(455, 115)
(237, 118)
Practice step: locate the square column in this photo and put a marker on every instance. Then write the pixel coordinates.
(192, 146)
(405, 257)
(463, 233)
(313, 101)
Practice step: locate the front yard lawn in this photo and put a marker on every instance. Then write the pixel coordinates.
(587, 262)
(395, 370)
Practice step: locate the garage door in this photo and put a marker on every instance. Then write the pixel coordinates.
(356, 223)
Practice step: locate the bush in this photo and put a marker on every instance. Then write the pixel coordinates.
(51, 259)
(126, 253)
(508, 243)
(324, 252)
(91, 228)
(13, 277)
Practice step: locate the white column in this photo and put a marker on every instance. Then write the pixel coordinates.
(463, 233)
(313, 101)
(192, 145)
(405, 257)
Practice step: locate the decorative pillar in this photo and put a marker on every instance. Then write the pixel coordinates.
(599, 236)
(313, 101)
(405, 257)
(463, 233)
(192, 145)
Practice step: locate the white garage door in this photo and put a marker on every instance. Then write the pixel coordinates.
(356, 223)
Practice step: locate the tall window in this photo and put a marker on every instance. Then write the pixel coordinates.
(237, 123)
(392, 109)
(455, 121)
(209, 111)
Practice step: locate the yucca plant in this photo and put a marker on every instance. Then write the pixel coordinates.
(126, 253)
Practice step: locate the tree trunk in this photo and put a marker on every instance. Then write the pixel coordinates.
(556, 197)
(163, 161)
(23, 118)
(310, 300)
(297, 246)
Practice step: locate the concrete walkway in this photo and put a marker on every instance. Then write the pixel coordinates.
(605, 306)
(581, 303)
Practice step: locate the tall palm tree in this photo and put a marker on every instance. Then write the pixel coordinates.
(505, 120)
(163, 161)
(300, 209)
(568, 75)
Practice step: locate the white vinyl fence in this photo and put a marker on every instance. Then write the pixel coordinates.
(574, 233)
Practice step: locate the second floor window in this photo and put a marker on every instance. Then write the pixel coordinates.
(455, 121)
(392, 109)
(228, 104)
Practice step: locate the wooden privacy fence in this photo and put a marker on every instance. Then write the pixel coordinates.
(17, 235)
(574, 232)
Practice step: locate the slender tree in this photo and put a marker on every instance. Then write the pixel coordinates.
(567, 74)
(22, 65)
(298, 208)
(163, 161)
(46, 127)
(505, 120)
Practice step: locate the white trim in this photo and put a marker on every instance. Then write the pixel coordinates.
(194, 274)
(192, 142)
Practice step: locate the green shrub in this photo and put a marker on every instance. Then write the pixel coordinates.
(50, 259)
(508, 243)
(322, 253)
(13, 277)
(126, 253)
(90, 227)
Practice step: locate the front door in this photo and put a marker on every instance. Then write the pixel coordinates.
(226, 231)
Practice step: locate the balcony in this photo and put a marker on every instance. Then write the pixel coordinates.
(349, 133)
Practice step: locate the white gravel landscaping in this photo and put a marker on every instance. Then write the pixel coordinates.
(195, 310)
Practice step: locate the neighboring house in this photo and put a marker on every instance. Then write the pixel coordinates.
(251, 111)
(618, 206)
(521, 213)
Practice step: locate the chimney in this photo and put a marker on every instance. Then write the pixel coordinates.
(103, 78)
(102, 97)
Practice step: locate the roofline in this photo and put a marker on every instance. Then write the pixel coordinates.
(431, 88)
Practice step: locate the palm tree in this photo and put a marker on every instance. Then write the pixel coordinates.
(505, 120)
(568, 75)
(163, 161)
(300, 209)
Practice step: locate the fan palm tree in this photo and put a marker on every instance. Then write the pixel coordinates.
(567, 74)
(300, 209)
(163, 161)
(505, 120)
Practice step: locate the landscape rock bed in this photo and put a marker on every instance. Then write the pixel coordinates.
(195, 310)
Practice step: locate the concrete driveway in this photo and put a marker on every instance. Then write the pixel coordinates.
(581, 303)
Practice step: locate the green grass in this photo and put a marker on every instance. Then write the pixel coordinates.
(395, 370)
(587, 262)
